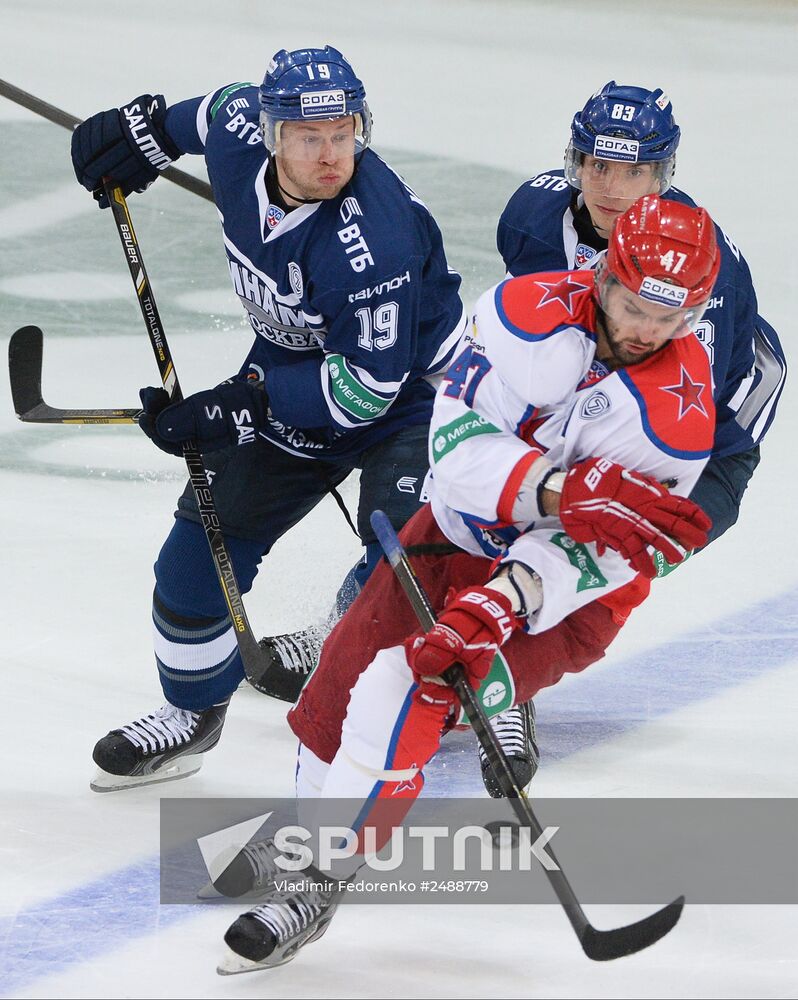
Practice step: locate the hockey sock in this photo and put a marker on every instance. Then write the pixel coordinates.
(195, 646)
(197, 658)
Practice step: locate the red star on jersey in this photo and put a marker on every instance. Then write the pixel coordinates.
(689, 394)
(565, 290)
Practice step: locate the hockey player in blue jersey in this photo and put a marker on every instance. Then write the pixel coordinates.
(342, 272)
(623, 145)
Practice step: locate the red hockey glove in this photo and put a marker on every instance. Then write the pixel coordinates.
(472, 627)
(605, 503)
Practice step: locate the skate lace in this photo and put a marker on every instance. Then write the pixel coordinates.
(164, 729)
(511, 732)
(261, 856)
(300, 651)
(286, 919)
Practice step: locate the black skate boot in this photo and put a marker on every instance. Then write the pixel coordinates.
(292, 659)
(163, 746)
(272, 934)
(515, 731)
(250, 874)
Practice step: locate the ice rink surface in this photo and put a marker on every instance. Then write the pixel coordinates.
(697, 696)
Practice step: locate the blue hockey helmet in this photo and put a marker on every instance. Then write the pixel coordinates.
(627, 124)
(312, 85)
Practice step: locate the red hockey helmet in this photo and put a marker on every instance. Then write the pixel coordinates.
(665, 251)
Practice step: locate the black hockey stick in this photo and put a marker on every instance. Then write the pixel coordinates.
(25, 350)
(256, 664)
(59, 117)
(601, 946)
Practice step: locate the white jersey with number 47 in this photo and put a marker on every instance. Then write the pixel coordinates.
(527, 383)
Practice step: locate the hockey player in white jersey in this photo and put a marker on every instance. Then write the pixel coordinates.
(623, 145)
(565, 440)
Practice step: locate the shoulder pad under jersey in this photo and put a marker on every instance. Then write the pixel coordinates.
(536, 306)
(673, 390)
(537, 330)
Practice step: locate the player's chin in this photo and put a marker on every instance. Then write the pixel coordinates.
(627, 357)
(324, 192)
(603, 217)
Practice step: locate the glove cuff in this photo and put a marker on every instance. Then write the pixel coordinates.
(142, 121)
(521, 586)
(493, 608)
(527, 506)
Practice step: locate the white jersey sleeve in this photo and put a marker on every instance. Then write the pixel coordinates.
(482, 435)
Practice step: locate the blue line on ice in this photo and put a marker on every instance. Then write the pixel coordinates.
(92, 919)
(81, 924)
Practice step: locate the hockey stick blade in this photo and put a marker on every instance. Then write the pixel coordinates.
(600, 946)
(25, 357)
(603, 946)
(25, 369)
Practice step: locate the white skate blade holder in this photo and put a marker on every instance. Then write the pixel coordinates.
(233, 965)
(208, 891)
(181, 767)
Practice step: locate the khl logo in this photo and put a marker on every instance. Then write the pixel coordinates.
(595, 405)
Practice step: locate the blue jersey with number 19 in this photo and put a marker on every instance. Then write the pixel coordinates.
(353, 305)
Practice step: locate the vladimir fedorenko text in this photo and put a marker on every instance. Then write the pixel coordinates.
(399, 886)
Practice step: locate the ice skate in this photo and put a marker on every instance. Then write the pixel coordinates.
(295, 656)
(168, 744)
(515, 731)
(271, 935)
(250, 873)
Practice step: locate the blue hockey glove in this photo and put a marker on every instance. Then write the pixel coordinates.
(230, 414)
(127, 145)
